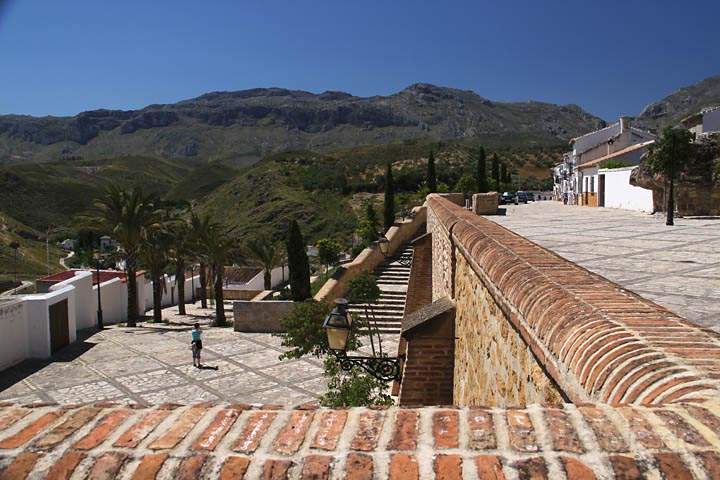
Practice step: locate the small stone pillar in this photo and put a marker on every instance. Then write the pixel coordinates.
(485, 203)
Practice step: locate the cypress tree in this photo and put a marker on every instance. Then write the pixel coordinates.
(389, 212)
(431, 176)
(298, 264)
(481, 172)
(504, 173)
(496, 171)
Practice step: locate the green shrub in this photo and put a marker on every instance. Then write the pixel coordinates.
(356, 388)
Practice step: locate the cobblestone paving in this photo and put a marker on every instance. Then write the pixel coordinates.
(152, 365)
(677, 267)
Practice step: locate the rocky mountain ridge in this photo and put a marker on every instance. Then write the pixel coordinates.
(681, 103)
(243, 126)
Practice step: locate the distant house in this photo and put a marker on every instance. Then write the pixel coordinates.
(576, 177)
(704, 122)
(68, 244)
(107, 244)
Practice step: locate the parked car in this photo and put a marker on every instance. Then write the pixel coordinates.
(507, 197)
(522, 197)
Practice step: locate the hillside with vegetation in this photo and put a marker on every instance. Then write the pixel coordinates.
(22, 249)
(323, 191)
(241, 127)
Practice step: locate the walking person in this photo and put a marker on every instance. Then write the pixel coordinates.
(196, 345)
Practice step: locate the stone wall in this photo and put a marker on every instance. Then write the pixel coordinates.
(493, 365)
(260, 316)
(402, 232)
(592, 338)
(485, 203)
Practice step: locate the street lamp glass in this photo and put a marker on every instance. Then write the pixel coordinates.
(337, 326)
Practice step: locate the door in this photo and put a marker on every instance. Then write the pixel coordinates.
(59, 330)
(601, 190)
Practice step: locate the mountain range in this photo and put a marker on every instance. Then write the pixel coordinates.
(241, 127)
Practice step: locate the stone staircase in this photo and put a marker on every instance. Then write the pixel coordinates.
(392, 278)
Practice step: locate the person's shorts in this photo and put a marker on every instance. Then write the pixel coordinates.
(196, 347)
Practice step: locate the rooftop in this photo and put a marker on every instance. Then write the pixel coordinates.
(619, 153)
(105, 275)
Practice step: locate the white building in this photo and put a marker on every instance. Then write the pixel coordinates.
(568, 176)
(705, 122)
(593, 187)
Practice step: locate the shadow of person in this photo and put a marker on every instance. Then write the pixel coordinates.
(209, 367)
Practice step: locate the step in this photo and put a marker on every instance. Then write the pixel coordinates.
(376, 307)
(385, 317)
(379, 312)
(392, 308)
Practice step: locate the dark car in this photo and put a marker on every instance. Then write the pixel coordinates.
(507, 197)
(522, 197)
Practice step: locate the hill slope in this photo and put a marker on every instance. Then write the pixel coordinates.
(55, 193)
(682, 103)
(242, 127)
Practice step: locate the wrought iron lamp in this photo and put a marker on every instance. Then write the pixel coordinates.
(338, 325)
(99, 256)
(384, 245)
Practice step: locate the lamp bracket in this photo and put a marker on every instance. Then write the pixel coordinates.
(382, 368)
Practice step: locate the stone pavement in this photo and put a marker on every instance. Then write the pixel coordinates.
(206, 441)
(677, 267)
(152, 364)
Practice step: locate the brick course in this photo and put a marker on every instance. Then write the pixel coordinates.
(430, 442)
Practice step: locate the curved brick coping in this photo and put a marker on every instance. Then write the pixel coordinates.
(599, 341)
(236, 441)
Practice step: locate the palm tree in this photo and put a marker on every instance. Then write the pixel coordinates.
(199, 230)
(155, 255)
(127, 214)
(218, 248)
(182, 250)
(268, 254)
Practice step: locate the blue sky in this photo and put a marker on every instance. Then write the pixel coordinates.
(611, 58)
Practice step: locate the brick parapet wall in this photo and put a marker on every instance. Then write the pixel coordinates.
(241, 441)
(597, 340)
(428, 372)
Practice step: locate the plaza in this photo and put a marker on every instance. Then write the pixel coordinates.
(677, 267)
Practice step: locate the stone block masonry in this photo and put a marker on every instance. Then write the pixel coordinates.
(265, 441)
(555, 330)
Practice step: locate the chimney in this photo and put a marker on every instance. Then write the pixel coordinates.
(624, 123)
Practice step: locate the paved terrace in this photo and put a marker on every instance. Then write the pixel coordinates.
(150, 365)
(237, 441)
(677, 267)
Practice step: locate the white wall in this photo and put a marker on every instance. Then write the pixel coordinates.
(258, 281)
(170, 295)
(86, 310)
(620, 194)
(38, 319)
(13, 340)
(113, 295)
